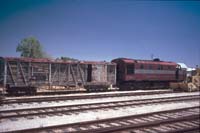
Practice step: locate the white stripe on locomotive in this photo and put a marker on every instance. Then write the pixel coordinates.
(147, 71)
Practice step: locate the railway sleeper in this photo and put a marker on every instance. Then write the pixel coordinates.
(17, 90)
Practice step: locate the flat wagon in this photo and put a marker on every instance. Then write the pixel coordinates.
(25, 75)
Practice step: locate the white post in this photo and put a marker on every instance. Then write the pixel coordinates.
(5, 75)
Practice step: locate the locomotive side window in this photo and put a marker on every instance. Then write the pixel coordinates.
(130, 69)
(142, 66)
(150, 67)
(161, 67)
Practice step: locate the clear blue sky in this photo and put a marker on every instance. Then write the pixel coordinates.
(104, 29)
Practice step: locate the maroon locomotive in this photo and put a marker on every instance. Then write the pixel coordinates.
(141, 74)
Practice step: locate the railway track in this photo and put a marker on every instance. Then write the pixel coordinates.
(72, 97)
(177, 120)
(186, 125)
(70, 109)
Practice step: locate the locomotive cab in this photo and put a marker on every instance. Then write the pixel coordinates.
(178, 68)
(180, 73)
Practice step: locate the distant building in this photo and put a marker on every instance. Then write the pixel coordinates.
(189, 70)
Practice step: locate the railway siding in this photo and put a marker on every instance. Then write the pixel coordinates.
(83, 107)
(100, 113)
(57, 101)
(134, 122)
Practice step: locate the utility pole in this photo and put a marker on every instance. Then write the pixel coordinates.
(152, 56)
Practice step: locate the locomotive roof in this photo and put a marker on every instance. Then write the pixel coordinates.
(46, 60)
(127, 60)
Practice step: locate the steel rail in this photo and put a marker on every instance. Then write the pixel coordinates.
(124, 122)
(59, 98)
(91, 106)
(156, 124)
(171, 126)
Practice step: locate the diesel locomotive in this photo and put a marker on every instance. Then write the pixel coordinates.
(147, 74)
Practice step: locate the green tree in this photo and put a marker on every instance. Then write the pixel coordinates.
(68, 59)
(31, 47)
